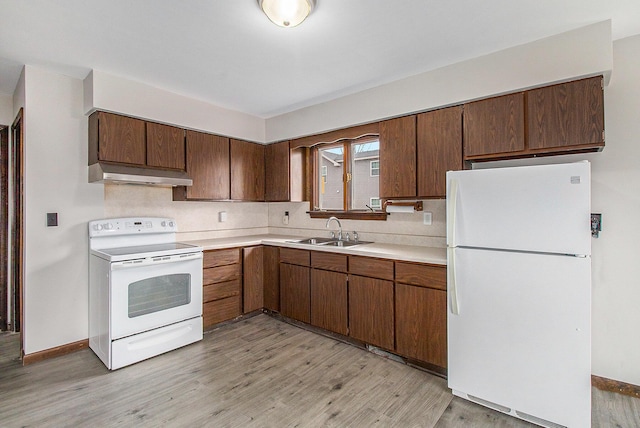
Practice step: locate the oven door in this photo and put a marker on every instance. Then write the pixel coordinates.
(154, 292)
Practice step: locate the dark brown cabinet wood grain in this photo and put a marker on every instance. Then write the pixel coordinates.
(398, 157)
(247, 171)
(222, 286)
(253, 278)
(295, 292)
(271, 278)
(439, 149)
(371, 311)
(115, 138)
(165, 146)
(208, 166)
(276, 164)
(565, 115)
(421, 324)
(494, 126)
(329, 300)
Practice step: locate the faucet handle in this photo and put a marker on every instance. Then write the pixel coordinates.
(355, 236)
(347, 237)
(333, 235)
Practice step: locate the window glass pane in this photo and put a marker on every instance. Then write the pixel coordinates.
(159, 293)
(365, 171)
(330, 187)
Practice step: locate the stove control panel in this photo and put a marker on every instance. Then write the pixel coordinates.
(131, 226)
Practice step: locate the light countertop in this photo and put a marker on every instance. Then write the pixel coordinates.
(410, 253)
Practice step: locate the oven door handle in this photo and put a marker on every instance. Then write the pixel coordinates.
(154, 261)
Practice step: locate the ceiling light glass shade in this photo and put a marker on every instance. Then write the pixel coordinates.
(287, 13)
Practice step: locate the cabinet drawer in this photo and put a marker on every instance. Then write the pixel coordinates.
(422, 275)
(371, 267)
(220, 310)
(295, 257)
(221, 257)
(220, 274)
(329, 261)
(220, 291)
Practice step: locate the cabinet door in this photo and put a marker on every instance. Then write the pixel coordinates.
(208, 166)
(247, 171)
(121, 139)
(329, 300)
(398, 157)
(271, 278)
(439, 149)
(276, 159)
(570, 114)
(421, 324)
(371, 309)
(165, 146)
(253, 278)
(494, 125)
(295, 297)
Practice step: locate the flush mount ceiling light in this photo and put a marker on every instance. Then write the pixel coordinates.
(287, 13)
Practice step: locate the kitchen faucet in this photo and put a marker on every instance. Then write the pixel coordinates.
(339, 225)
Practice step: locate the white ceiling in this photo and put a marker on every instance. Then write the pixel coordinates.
(228, 53)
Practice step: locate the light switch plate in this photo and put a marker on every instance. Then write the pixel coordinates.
(52, 219)
(222, 216)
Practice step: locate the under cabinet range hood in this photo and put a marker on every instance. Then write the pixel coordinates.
(124, 174)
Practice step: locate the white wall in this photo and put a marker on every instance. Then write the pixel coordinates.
(56, 259)
(6, 109)
(103, 91)
(582, 52)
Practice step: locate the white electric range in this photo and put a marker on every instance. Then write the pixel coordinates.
(145, 289)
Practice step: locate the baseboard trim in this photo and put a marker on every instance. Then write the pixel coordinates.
(615, 386)
(54, 352)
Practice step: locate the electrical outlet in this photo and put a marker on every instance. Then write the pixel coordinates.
(427, 218)
(52, 219)
(596, 225)
(222, 216)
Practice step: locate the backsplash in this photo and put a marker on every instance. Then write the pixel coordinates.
(200, 220)
(400, 228)
(196, 220)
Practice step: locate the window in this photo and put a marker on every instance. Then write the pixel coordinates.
(347, 177)
(375, 203)
(375, 168)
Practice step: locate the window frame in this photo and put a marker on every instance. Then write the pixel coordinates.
(360, 214)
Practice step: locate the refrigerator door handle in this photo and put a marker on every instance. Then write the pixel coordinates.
(452, 202)
(451, 283)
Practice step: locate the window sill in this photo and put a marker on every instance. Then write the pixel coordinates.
(350, 215)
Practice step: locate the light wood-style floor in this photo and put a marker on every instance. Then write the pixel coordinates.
(259, 372)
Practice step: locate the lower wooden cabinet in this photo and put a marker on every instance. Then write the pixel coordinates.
(371, 311)
(222, 286)
(295, 292)
(271, 278)
(253, 278)
(421, 324)
(329, 300)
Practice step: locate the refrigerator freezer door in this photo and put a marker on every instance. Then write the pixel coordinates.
(543, 208)
(521, 339)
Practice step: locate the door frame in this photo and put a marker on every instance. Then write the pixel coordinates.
(17, 225)
(4, 226)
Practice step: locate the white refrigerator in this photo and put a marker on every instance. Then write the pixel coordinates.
(519, 291)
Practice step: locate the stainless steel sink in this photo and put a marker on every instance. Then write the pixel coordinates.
(329, 242)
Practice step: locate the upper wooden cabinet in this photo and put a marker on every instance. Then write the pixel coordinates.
(115, 138)
(165, 146)
(439, 149)
(125, 140)
(566, 115)
(208, 165)
(494, 126)
(247, 171)
(563, 118)
(276, 164)
(398, 158)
